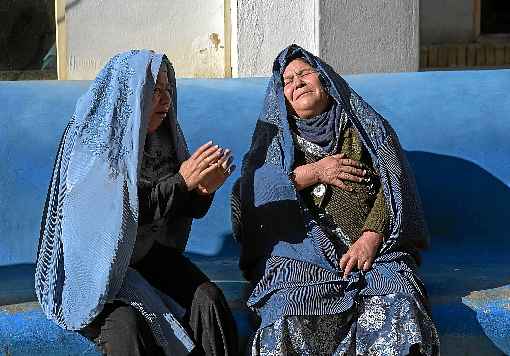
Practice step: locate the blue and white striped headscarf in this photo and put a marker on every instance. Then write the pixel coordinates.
(295, 263)
(90, 219)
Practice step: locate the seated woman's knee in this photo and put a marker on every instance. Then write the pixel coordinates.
(209, 293)
(122, 323)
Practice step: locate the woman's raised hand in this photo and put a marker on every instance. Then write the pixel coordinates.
(215, 178)
(336, 168)
(200, 164)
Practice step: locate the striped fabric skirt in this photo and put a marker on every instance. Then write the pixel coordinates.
(390, 325)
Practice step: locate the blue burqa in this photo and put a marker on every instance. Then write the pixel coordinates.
(90, 219)
(294, 262)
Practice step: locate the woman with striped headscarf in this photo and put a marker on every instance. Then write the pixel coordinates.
(330, 223)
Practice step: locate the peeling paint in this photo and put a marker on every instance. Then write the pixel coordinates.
(215, 39)
(207, 56)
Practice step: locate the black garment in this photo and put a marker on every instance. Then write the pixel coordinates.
(169, 198)
(120, 330)
(166, 209)
(164, 204)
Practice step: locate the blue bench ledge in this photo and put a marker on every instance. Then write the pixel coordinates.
(453, 125)
(492, 308)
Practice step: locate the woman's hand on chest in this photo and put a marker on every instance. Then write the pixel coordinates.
(332, 170)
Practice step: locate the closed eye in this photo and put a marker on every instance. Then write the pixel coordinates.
(301, 74)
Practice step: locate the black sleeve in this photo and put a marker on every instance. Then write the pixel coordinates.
(199, 204)
(170, 197)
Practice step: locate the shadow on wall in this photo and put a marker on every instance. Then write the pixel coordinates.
(467, 214)
(465, 205)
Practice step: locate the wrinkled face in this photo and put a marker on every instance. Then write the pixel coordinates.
(161, 101)
(303, 90)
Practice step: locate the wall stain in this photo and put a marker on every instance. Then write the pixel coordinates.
(208, 56)
(215, 39)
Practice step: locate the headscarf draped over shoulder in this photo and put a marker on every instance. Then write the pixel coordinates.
(90, 219)
(269, 202)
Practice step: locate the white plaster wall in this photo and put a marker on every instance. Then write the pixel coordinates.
(265, 27)
(370, 35)
(190, 32)
(446, 21)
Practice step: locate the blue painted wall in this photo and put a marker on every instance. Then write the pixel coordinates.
(456, 123)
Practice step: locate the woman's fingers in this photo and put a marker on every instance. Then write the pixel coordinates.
(350, 265)
(210, 155)
(343, 160)
(225, 165)
(361, 261)
(349, 262)
(348, 176)
(212, 159)
(350, 162)
(344, 260)
(340, 184)
(224, 157)
(356, 257)
(208, 170)
(352, 170)
(208, 152)
(367, 265)
(201, 150)
(339, 156)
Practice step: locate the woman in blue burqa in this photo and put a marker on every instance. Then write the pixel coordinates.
(330, 222)
(121, 200)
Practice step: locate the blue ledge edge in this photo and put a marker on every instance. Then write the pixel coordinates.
(492, 307)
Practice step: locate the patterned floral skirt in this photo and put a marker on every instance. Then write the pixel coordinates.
(390, 325)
